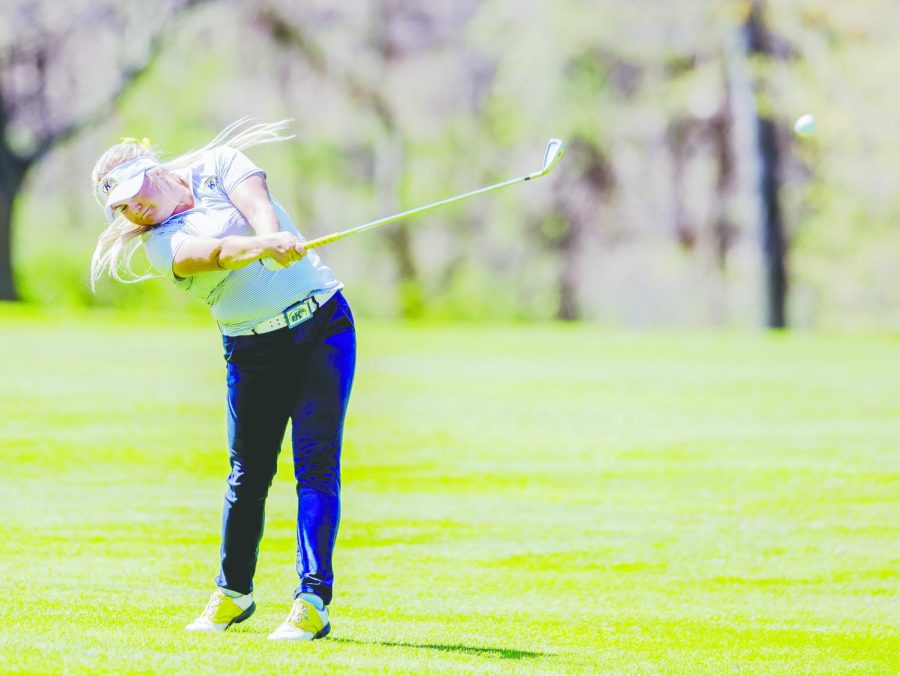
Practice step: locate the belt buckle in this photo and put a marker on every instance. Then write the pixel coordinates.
(299, 313)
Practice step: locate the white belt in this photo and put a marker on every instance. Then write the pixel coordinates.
(294, 315)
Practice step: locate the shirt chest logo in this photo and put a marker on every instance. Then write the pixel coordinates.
(209, 183)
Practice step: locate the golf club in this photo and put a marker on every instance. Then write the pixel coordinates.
(552, 155)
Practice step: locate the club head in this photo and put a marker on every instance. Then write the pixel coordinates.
(552, 154)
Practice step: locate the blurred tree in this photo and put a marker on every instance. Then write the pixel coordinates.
(763, 46)
(63, 68)
(709, 131)
(705, 134)
(590, 180)
(398, 30)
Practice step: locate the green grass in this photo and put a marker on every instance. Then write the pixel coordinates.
(534, 499)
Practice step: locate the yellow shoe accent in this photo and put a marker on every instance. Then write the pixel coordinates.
(221, 612)
(304, 623)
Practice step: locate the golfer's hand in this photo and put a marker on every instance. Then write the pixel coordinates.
(284, 248)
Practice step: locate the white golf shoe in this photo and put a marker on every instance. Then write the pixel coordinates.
(222, 611)
(304, 623)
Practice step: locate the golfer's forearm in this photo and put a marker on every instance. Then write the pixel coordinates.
(236, 252)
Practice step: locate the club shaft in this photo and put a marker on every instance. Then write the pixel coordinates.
(327, 239)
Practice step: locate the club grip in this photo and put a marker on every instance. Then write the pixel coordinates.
(324, 239)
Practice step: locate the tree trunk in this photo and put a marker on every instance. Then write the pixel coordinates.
(12, 174)
(722, 130)
(759, 42)
(774, 249)
(579, 204)
(568, 309)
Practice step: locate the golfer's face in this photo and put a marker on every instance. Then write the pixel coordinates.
(153, 204)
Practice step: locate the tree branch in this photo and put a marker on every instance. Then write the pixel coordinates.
(290, 35)
(129, 76)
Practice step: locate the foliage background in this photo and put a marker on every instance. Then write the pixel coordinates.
(471, 92)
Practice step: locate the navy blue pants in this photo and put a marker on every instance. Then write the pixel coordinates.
(304, 375)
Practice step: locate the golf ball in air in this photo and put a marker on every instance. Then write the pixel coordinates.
(805, 126)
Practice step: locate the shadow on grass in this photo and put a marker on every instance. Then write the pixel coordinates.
(502, 653)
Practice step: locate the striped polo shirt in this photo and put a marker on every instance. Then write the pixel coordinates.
(239, 299)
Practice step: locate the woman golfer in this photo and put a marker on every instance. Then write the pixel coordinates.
(207, 223)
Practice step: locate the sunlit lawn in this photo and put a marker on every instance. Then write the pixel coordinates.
(516, 498)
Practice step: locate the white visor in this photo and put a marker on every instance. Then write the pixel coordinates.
(122, 183)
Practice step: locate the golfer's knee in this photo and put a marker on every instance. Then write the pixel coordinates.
(250, 485)
(325, 482)
(319, 470)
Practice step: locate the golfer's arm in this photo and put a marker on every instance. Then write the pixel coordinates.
(208, 254)
(251, 197)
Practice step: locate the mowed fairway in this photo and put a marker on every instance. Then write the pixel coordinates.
(536, 499)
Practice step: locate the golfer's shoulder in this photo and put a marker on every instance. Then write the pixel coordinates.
(231, 167)
(212, 162)
(225, 159)
(224, 153)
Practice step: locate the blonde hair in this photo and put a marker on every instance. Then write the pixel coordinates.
(118, 243)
